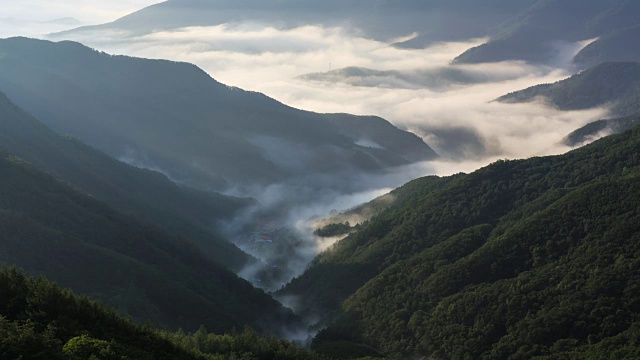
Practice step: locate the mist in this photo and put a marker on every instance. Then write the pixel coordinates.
(311, 67)
(279, 229)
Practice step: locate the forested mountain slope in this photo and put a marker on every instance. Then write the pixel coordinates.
(38, 320)
(175, 118)
(51, 229)
(142, 193)
(519, 259)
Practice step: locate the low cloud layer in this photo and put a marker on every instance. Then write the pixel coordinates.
(416, 89)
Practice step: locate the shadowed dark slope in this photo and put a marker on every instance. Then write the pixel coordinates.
(142, 193)
(616, 47)
(51, 229)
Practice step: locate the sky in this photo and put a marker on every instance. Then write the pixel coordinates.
(34, 18)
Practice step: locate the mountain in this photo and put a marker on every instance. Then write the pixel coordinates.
(521, 259)
(137, 192)
(543, 33)
(601, 127)
(38, 320)
(174, 118)
(385, 20)
(616, 85)
(614, 47)
(436, 78)
(142, 270)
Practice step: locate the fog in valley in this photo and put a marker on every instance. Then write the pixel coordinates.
(339, 70)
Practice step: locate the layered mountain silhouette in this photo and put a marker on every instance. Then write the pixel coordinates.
(53, 230)
(385, 20)
(537, 31)
(614, 47)
(174, 118)
(614, 85)
(113, 170)
(141, 193)
(611, 84)
(543, 33)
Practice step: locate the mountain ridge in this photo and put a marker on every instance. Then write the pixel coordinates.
(132, 114)
(383, 20)
(542, 32)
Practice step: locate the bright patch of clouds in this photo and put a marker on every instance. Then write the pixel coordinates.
(271, 61)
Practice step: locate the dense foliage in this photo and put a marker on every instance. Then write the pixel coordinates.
(38, 320)
(49, 228)
(521, 259)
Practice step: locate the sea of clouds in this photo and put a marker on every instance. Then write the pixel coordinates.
(331, 70)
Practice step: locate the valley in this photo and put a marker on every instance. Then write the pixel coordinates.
(209, 179)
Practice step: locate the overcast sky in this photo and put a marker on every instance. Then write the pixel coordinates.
(33, 17)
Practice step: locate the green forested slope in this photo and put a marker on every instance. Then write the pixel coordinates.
(49, 228)
(558, 280)
(142, 193)
(519, 259)
(38, 320)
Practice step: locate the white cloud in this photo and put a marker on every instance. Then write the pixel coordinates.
(269, 60)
